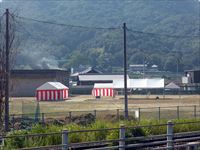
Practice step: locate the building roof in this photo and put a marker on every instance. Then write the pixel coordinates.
(52, 86)
(137, 65)
(103, 85)
(101, 77)
(172, 85)
(90, 70)
(38, 72)
(192, 70)
(154, 83)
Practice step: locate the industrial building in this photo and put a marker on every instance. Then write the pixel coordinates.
(91, 79)
(191, 81)
(193, 76)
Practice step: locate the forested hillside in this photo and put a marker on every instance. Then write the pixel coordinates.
(46, 45)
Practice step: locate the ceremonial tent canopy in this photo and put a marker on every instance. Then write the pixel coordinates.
(103, 89)
(52, 91)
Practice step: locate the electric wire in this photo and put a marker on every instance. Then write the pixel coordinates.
(163, 35)
(108, 28)
(67, 25)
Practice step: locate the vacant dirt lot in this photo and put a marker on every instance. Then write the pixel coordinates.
(88, 103)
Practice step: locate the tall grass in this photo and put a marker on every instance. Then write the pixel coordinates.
(133, 131)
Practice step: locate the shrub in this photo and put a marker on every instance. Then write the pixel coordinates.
(134, 131)
(16, 142)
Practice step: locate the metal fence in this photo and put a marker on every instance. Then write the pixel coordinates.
(84, 117)
(170, 140)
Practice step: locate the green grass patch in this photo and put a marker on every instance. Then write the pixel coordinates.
(21, 142)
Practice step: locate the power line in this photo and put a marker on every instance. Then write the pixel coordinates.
(162, 35)
(67, 25)
(104, 28)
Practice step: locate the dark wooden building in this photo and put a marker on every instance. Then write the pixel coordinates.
(74, 78)
(23, 83)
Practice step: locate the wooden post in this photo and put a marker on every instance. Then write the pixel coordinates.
(178, 114)
(95, 114)
(159, 113)
(70, 116)
(118, 114)
(195, 111)
(13, 122)
(139, 112)
(43, 121)
(125, 77)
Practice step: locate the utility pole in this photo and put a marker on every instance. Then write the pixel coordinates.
(199, 48)
(125, 77)
(7, 74)
(177, 61)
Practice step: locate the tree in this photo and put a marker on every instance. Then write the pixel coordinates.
(155, 59)
(170, 64)
(137, 58)
(76, 59)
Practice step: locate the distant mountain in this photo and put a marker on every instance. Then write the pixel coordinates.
(52, 46)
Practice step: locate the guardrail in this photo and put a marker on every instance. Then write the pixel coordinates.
(170, 140)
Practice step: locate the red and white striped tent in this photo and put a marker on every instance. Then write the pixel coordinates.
(103, 89)
(52, 91)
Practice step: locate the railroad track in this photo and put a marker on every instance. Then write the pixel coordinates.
(145, 142)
